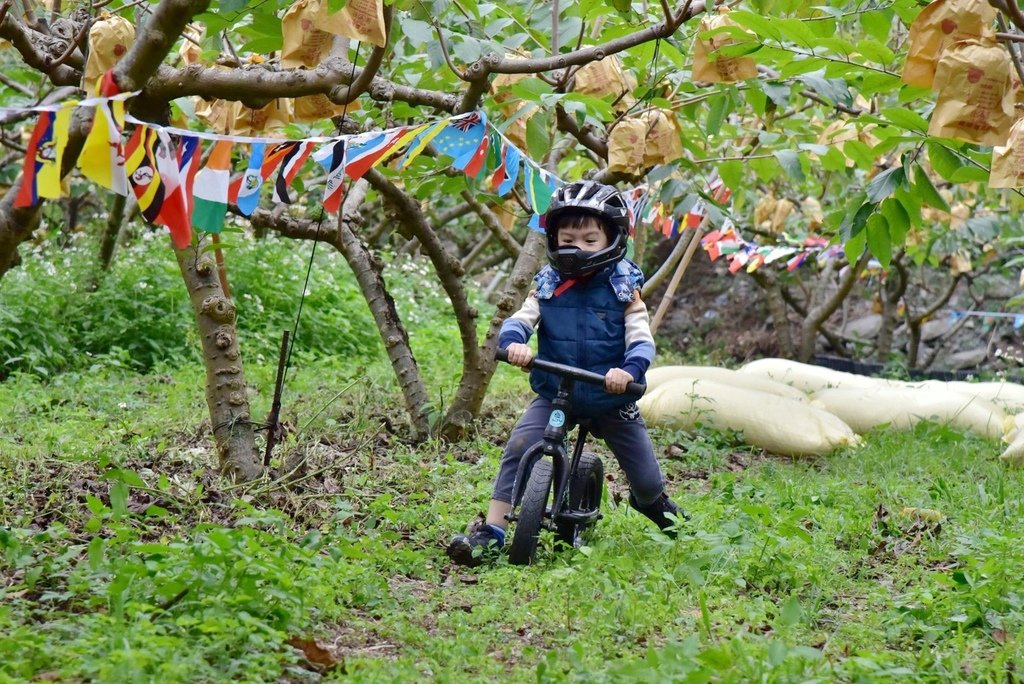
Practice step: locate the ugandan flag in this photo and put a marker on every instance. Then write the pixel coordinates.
(152, 167)
(40, 176)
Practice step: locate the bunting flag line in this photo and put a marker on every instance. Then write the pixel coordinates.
(210, 192)
(365, 150)
(152, 170)
(189, 158)
(245, 192)
(162, 172)
(461, 139)
(102, 157)
(173, 211)
(332, 158)
(39, 147)
(290, 166)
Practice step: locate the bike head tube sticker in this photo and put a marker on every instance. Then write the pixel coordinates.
(557, 419)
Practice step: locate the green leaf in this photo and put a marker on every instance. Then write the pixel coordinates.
(906, 119)
(969, 174)
(416, 32)
(732, 173)
(537, 140)
(789, 160)
(924, 189)
(898, 219)
(860, 153)
(854, 246)
(854, 221)
(877, 236)
(717, 109)
(875, 51)
(231, 6)
(791, 612)
(763, 27)
(877, 23)
(885, 183)
(943, 160)
(833, 160)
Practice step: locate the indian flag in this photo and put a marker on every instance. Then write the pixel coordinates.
(210, 190)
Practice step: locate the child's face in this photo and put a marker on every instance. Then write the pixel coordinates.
(588, 236)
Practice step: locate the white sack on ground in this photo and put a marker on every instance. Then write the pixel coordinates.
(1009, 395)
(804, 376)
(903, 407)
(662, 374)
(774, 423)
(1014, 454)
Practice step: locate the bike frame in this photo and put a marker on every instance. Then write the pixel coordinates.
(553, 443)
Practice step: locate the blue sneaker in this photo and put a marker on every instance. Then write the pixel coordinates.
(480, 541)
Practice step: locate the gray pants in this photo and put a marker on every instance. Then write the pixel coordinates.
(622, 429)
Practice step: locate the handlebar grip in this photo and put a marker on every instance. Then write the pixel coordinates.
(637, 388)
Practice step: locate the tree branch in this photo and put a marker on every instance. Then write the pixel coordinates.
(449, 269)
(566, 124)
(490, 220)
(30, 44)
(154, 41)
(369, 72)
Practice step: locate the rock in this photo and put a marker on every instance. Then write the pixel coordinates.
(969, 358)
(936, 327)
(865, 328)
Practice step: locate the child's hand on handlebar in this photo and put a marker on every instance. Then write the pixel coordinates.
(616, 379)
(519, 355)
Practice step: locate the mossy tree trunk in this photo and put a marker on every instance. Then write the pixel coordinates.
(225, 379)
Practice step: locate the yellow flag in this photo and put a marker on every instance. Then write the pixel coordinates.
(102, 156)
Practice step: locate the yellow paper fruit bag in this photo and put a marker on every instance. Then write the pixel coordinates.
(664, 143)
(267, 120)
(306, 41)
(713, 68)
(626, 147)
(361, 20)
(1008, 160)
(109, 40)
(191, 51)
(938, 26)
(975, 101)
(319, 107)
(604, 78)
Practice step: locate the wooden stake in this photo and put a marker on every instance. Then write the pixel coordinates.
(684, 263)
(273, 419)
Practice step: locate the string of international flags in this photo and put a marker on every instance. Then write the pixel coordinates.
(162, 167)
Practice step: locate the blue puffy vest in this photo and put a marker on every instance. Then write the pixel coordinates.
(584, 326)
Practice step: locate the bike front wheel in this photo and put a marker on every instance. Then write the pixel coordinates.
(531, 514)
(585, 489)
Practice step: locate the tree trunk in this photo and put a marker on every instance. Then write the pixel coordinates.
(115, 219)
(225, 380)
(367, 270)
(776, 304)
(892, 291)
(475, 378)
(16, 226)
(818, 313)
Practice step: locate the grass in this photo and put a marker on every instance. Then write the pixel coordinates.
(124, 558)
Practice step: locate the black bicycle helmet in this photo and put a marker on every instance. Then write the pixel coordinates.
(606, 204)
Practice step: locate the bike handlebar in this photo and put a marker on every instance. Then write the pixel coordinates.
(636, 388)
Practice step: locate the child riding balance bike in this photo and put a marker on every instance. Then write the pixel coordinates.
(587, 312)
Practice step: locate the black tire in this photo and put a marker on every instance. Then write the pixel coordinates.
(585, 490)
(531, 514)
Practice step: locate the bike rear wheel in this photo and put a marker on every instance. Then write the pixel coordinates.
(531, 514)
(585, 490)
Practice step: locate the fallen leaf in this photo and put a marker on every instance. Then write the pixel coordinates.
(316, 654)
